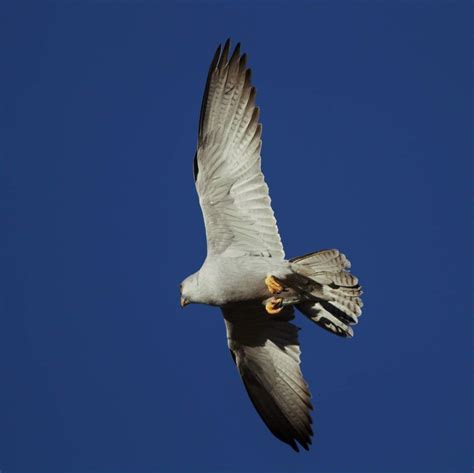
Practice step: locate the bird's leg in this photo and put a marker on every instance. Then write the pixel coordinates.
(274, 305)
(273, 285)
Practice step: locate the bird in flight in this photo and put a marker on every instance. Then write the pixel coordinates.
(245, 272)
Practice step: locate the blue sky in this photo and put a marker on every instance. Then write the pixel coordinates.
(366, 111)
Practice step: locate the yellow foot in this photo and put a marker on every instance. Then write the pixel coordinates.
(274, 305)
(273, 286)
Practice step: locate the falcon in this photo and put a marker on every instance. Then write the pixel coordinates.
(245, 272)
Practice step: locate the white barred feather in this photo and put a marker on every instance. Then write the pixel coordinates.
(336, 296)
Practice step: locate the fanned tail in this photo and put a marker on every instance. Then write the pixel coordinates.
(334, 293)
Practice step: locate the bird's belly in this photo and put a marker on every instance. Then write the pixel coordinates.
(242, 287)
(238, 282)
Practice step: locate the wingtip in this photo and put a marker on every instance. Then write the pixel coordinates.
(294, 445)
(225, 52)
(216, 56)
(248, 77)
(243, 61)
(235, 54)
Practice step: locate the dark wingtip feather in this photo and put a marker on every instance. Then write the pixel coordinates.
(215, 58)
(248, 78)
(216, 54)
(293, 445)
(202, 113)
(243, 61)
(236, 53)
(253, 93)
(195, 167)
(225, 52)
(255, 116)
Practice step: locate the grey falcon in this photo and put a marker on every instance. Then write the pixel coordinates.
(245, 272)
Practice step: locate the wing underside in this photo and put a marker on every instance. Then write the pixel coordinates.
(234, 197)
(267, 354)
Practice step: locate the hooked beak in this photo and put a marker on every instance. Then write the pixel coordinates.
(184, 302)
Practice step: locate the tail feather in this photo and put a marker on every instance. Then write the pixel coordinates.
(316, 257)
(334, 300)
(340, 279)
(325, 319)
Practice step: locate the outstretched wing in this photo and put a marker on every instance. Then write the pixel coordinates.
(232, 191)
(267, 354)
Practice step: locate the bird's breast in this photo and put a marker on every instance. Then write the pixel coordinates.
(233, 280)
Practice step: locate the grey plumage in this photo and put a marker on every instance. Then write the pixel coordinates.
(337, 305)
(267, 354)
(244, 249)
(232, 192)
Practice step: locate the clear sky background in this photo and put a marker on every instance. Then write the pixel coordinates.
(366, 111)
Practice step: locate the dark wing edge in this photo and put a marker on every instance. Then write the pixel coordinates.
(205, 97)
(219, 61)
(266, 351)
(202, 114)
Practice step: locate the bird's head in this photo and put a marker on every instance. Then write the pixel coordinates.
(188, 289)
